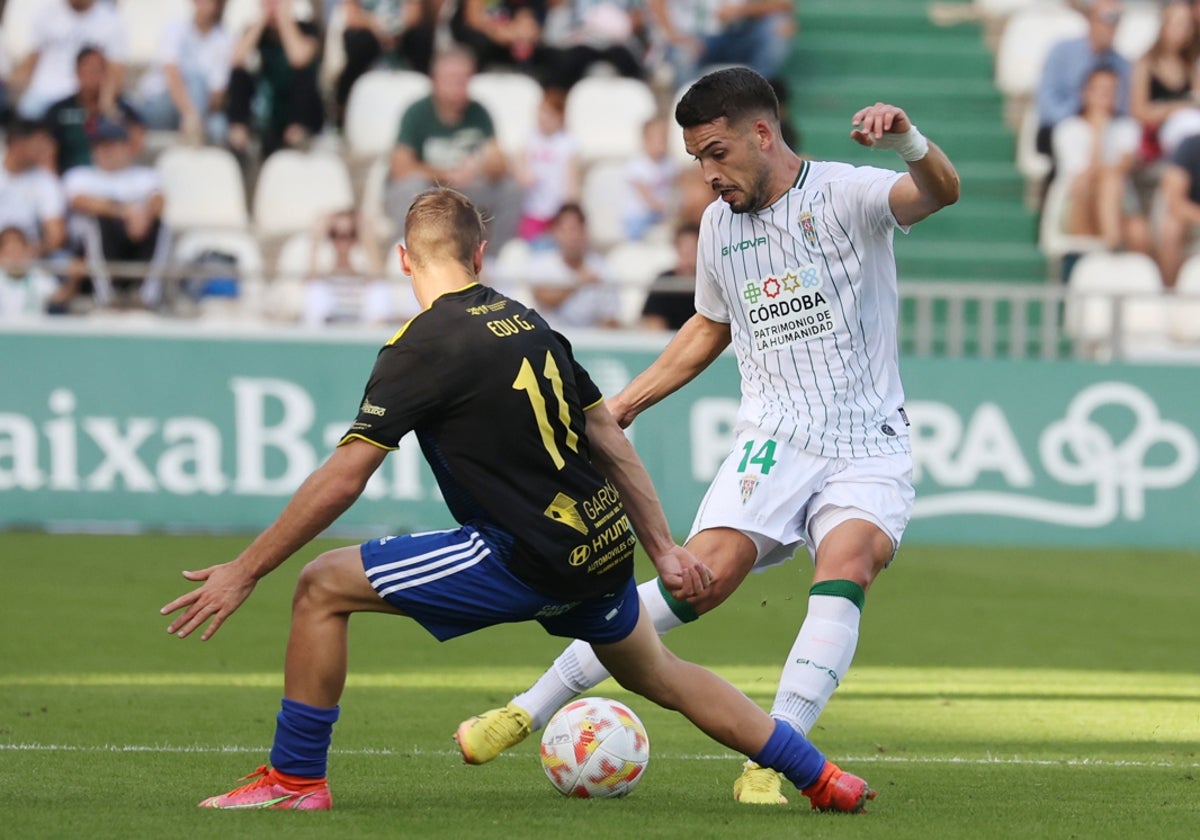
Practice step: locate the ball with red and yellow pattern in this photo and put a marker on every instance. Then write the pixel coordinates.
(594, 747)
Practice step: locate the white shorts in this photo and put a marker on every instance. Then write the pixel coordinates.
(780, 496)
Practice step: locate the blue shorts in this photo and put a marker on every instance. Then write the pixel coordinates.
(454, 582)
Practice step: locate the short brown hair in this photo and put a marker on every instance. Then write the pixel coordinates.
(442, 224)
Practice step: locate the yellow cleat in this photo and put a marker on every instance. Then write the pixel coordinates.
(483, 737)
(759, 786)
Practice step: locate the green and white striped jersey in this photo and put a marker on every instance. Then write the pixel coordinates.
(808, 287)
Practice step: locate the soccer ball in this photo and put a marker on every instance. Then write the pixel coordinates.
(593, 748)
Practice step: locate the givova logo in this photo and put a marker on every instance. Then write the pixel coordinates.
(743, 245)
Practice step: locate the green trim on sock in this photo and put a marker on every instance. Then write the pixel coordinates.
(847, 589)
(684, 611)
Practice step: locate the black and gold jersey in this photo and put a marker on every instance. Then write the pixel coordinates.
(496, 399)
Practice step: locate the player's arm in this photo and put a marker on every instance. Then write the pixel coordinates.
(693, 348)
(614, 456)
(932, 181)
(322, 498)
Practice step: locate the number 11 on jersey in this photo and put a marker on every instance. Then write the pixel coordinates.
(527, 381)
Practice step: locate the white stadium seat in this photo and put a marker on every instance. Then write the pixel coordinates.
(1185, 310)
(377, 101)
(604, 189)
(373, 194)
(238, 244)
(1031, 163)
(16, 27)
(512, 101)
(1100, 283)
(634, 266)
(203, 188)
(606, 116)
(509, 271)
(1027, 38)
(296, 188)
(1138, 29)
(1052, 240)
(144, 22)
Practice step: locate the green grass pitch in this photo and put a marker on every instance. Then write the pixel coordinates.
(997, 693)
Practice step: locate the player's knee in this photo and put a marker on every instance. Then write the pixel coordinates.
(313, 586)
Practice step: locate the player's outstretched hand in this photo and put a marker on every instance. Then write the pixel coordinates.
(682, 574)
(874, 121)
(620, 410)
(224, 589)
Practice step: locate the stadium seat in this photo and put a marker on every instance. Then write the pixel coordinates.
(512, 100)
(1025, 42)
(296, 188)
(333, 51)
(510, 269)
(244, 248)
(606, 116)
(1052, 241)
(377, 101)
(1116, 302)
(144, 22)
(1031, 163)
(1138, 29)
(16, 28)
(373, 193)
(203, 188)
(1185, 309)
(604, 188)
(634, 266)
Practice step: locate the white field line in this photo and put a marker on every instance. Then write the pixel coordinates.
(417, 751)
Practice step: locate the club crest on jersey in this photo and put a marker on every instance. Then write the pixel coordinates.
(808, 228)
(749, 482)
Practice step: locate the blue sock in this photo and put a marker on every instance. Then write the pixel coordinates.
(302, 736)
(791, 754)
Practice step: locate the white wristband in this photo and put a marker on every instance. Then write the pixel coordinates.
(911, 145)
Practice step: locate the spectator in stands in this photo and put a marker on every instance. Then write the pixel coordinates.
(71, 119)
(650, 178)
(285, 53)
(185, 87)
(60, 30)
(1096, 151)
(503, 32)
(26, 291)
(346, 282)
(1164, 77)
(549, 168)
(117, 209)
(1180, 186)
(597, 31)
(448, 138)
(1068, 64)
(571, 283)
(373, 29)
(5, 75)
(421, 21)
(695, 33)
(31, 198)
(755, 33)
(672, 298)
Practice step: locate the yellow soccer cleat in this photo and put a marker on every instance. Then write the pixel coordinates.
(759, 786)
(483, 737)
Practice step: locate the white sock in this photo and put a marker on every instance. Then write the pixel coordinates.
(818, 660)
(577, 669)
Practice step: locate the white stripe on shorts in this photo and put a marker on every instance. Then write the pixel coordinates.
(432, 565)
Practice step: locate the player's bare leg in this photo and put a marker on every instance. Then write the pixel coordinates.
(641, 663)
(329, 590)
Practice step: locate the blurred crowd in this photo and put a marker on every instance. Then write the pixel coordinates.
(1124, 136)
(83, 208)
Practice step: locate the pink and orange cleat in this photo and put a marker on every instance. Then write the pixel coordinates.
(836, 790)
(271, 790)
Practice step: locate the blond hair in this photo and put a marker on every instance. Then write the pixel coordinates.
(443, 225)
